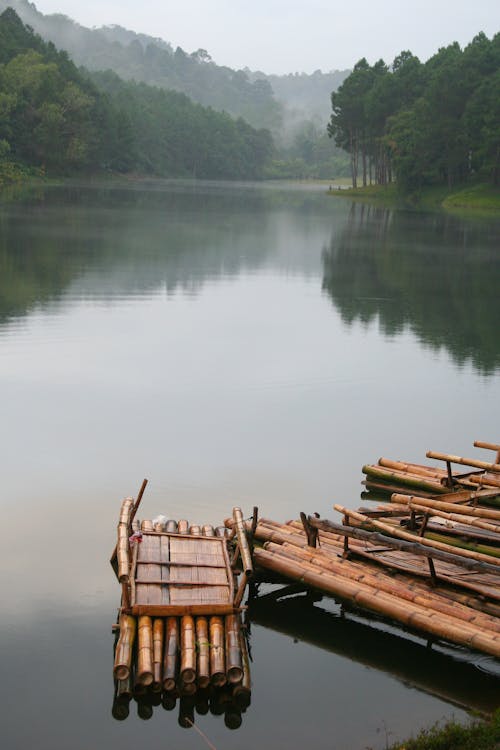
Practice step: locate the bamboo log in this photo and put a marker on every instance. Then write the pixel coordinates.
(188, 650)
(456, 518)
(171, 651)
(208, 530)
(124, 647)
(124, 688)
(401, 478)
(466, 510)
(490, 481)
(158, 636)
(195, 530)
(489, 446)
(243, 691)
(145, 651)
(203, 648)
(425, 471)
(246, 558)
(414, 616)
(123, 545)
(183, 526)
(463, 461)
(395, 531)
(430, 599)
(217, 660)
(234, 667)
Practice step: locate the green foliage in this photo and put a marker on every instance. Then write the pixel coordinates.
(436, 123)
(478, 735)
(52, 116)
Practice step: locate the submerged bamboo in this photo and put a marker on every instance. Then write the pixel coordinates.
(203, 648)
(158, 635)
(234, 667)
(243, 691)
(217, 660)
(124, 647)
(188, 650)
(170, 655)
(145, 651)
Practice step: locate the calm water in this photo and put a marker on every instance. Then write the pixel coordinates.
(235, 344)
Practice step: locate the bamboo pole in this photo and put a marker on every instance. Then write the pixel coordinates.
(246, 558)
(416, 617)
(490, 447)
(217, 660)
(474, 462)
(145, 651)
(466, 510)
(124, 647)
(493, 481)
(171, 651)
(401, 478)
(243, 691)
(122, 547)
(456, 518)
(398, 532)
(425, 471)
(234, 667)
(188, 650)
(158, 636)
(138, 501)
(203, 648)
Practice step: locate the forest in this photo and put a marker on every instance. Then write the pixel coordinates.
(422, 124)
(56, 119)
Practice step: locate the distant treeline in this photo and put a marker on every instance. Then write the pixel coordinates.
(423, 123)
(53, 116)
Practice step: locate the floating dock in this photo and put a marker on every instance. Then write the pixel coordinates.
(180, 632)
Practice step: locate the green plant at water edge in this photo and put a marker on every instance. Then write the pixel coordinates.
(479, 735)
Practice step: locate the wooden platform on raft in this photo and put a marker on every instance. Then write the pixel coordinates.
(179, 628)
(480, 483)
(450, 598)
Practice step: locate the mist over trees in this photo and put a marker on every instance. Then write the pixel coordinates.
(433, 123)
(55, 118)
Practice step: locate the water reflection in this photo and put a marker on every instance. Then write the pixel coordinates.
(442, 675)
(434, 274)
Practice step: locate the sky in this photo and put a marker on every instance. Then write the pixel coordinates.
(285, 36)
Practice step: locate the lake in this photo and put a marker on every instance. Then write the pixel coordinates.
(236, 344)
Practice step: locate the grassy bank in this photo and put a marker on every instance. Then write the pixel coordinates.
(479, 735)
(480, 198)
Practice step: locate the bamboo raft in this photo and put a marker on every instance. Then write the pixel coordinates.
(179, 630)
(481, 483)
(437, 592)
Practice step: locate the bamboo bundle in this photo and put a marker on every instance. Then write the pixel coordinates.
(460, 518)
(158, 634)
(234, 667)
(383, 582)
(217, 660)
(188, 650)
(399, 478)
(413, 616)
(243, 691)
(124, 647)
(183, 526)
(203, 648)
(422, 540)
(145, 651)
(170, 655)
(123, 542)
(466, 510)
(463, 461)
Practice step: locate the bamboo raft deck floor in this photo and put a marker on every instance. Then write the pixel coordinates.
(178, 574)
